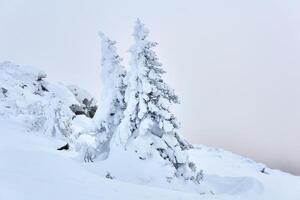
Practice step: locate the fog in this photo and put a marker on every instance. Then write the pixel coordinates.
(234, 64)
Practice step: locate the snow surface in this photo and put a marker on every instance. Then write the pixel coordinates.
(275, 184)
(32, 169)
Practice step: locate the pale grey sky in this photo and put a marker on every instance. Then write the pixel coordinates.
(235, 64)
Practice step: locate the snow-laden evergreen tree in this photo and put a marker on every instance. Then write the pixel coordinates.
(112, 105)
(149, 128)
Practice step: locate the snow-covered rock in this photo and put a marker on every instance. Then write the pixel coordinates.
(87, 104)
(44, 107)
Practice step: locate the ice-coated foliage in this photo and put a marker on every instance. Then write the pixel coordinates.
(149, 127)
(112, 104)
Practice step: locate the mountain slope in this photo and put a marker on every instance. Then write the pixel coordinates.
(36, 119)
(31, 168)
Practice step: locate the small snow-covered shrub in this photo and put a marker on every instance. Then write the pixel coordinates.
(3, 92)
(40, 84)
(86, 145)
(51, 118)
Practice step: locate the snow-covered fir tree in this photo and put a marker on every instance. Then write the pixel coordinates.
(112, 104)
(149, 128)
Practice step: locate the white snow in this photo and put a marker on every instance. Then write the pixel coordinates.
(274, 184)
(32, 169)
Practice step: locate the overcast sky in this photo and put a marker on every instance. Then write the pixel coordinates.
(234, 64)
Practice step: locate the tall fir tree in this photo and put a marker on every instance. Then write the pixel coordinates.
(149, 128)
(112, 104)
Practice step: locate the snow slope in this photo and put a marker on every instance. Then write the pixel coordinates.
(276, 185)
(32, 169)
